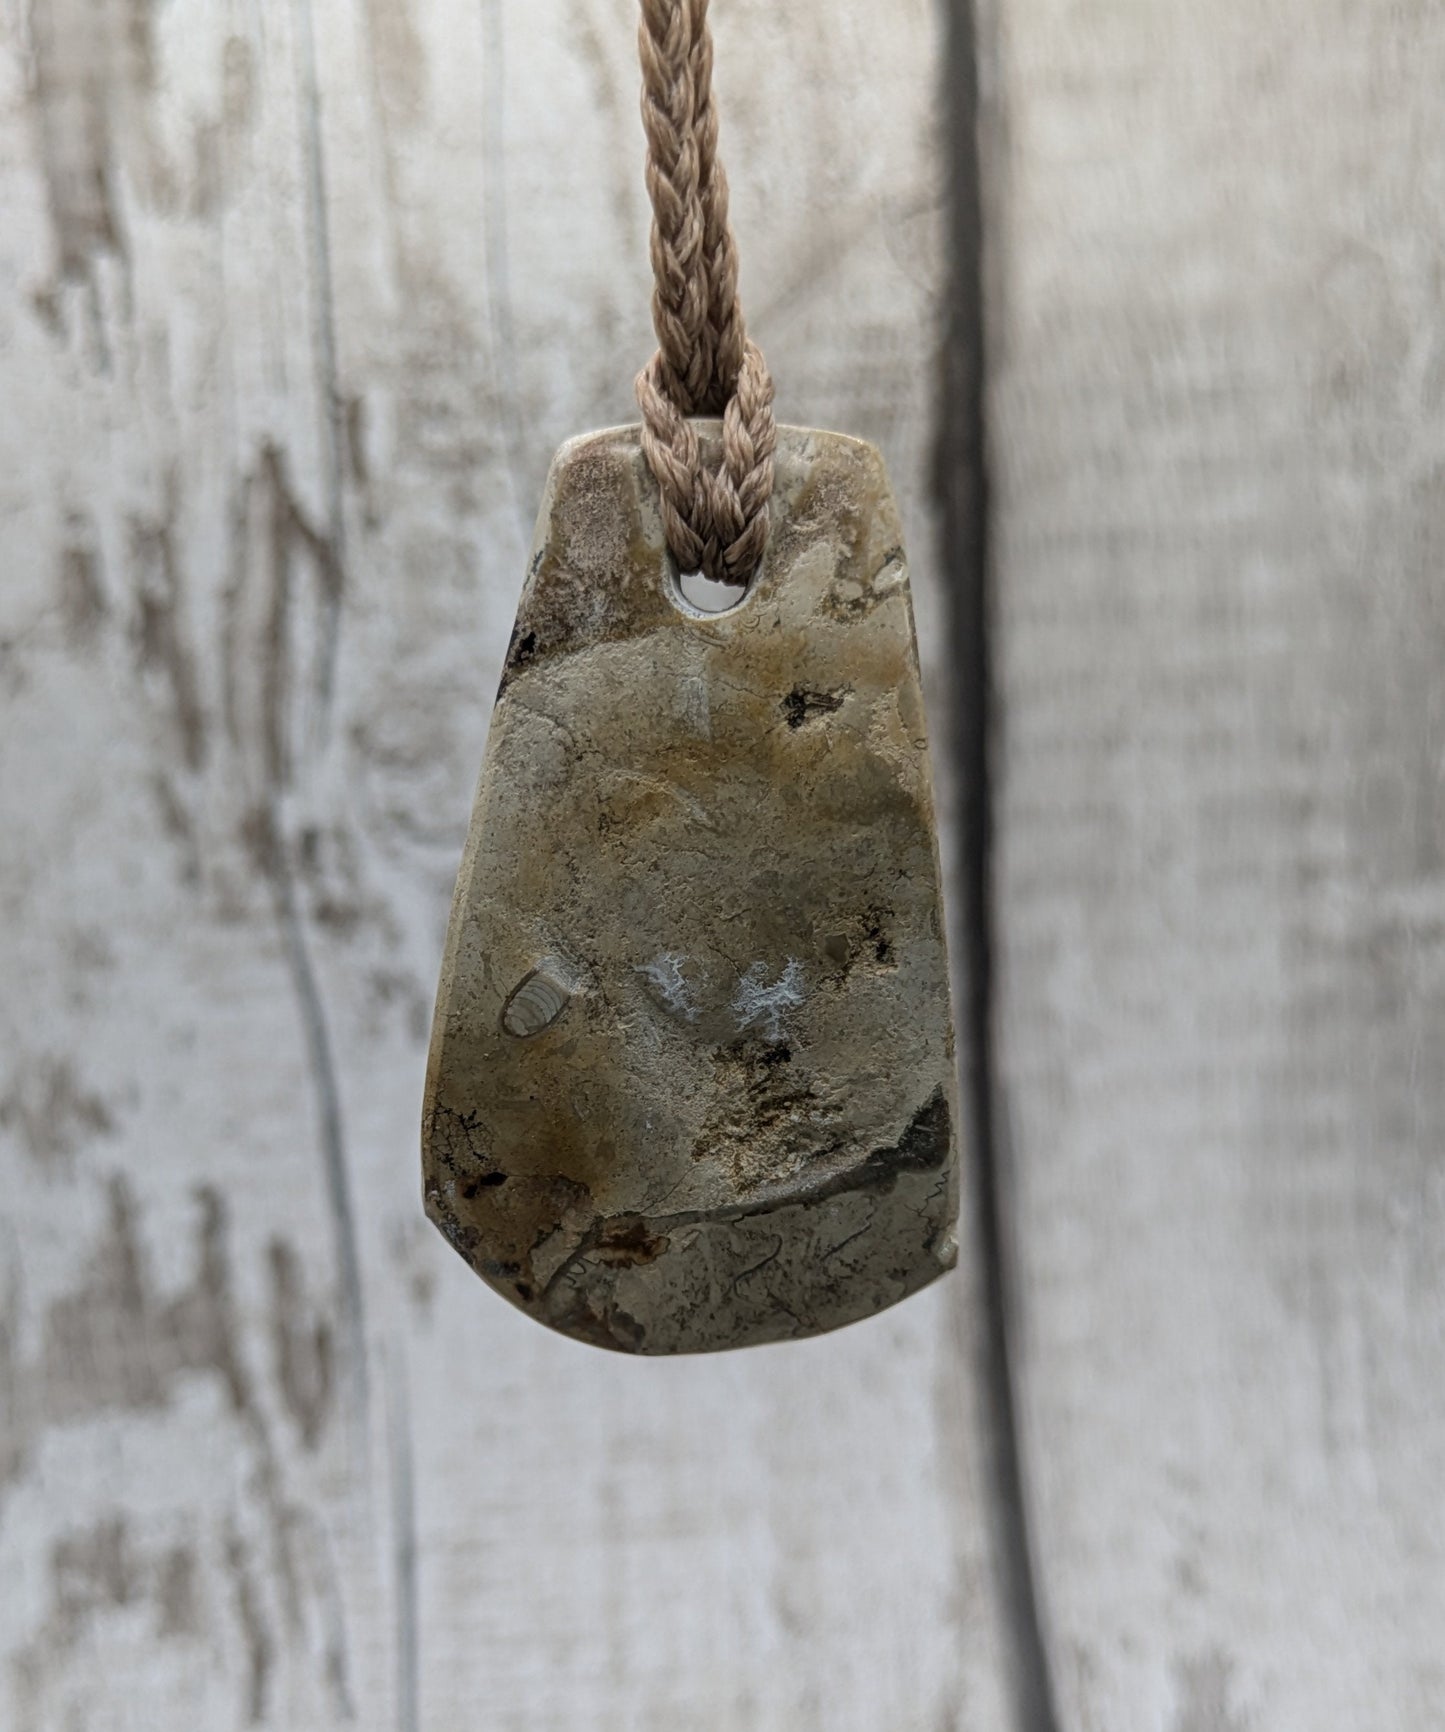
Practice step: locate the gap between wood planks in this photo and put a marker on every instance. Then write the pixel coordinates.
(961, 481)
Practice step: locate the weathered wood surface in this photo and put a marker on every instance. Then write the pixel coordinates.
(295, 303)
(1218, 425)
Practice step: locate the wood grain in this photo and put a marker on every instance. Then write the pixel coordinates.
(295, 303)
(1217, 435)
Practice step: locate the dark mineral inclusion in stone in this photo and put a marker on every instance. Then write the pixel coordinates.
(691, 1082)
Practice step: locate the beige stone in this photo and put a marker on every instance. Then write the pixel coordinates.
(691, 1081)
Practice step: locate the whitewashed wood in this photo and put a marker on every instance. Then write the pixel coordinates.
(1218, 442)
(295, 303)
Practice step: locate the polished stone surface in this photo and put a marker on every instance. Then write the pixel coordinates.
(691, 1082)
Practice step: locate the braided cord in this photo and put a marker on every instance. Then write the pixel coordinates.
(715, 517)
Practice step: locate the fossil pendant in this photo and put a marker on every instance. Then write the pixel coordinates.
(691, 1082)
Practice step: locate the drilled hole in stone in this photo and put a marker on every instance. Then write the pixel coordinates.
(699, 594)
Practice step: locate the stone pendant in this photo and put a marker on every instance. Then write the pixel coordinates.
(691, 1082)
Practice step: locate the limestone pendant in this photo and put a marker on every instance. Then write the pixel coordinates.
(691, 1082)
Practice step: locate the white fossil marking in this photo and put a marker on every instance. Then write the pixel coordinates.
(664, 975)
(695, 705)
(535, 1004)
(758, 1005)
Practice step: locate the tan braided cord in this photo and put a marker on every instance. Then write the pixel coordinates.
(715, 515)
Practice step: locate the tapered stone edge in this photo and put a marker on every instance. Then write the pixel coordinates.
(903, 1196)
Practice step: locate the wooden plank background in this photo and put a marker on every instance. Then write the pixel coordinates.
(296, 299)
(1218, 426)
(297, 302)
